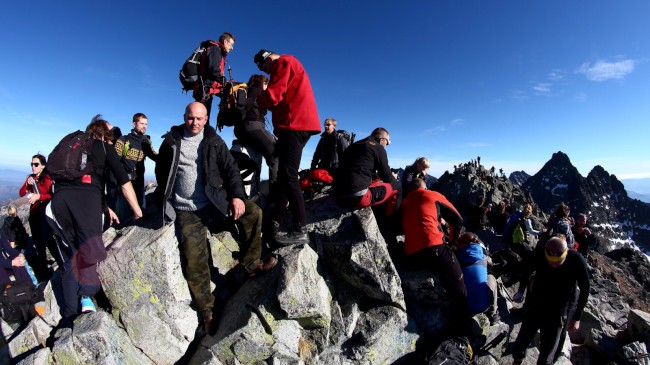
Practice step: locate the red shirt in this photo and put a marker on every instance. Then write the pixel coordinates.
(44, 188)
(421, 213)
(290, 98)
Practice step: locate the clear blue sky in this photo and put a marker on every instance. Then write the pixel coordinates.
(511, 81)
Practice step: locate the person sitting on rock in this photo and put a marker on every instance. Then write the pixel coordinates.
(14, 229)
(199, 183)
(13, 263)
(426, 245)
(585, 239)
(330, 147)
(551, 295)
(417, 170)
(356, 184)
(481, 286)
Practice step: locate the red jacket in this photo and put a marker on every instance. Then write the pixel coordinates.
(44, 188)
(421, 213)
(290, 98)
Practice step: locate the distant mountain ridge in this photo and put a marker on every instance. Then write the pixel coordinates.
(600, 195)
(519, 177)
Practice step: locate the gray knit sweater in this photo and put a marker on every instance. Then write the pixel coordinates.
(189, 194)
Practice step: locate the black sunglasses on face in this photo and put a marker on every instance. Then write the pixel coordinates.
(36, 164)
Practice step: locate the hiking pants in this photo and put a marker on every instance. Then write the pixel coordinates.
(19, 272)
(288, 150)
(78, 213)
(378, 192)
(42, 237)
(551, 328)
(193, 228)
(442, 260)
(253, 135)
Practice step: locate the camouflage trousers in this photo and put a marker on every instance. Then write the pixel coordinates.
(193, 229)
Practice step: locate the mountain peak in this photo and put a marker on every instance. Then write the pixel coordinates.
(560, 157)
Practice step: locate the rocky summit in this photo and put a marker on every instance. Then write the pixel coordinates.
(347, 297)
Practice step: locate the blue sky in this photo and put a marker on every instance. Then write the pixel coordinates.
(510, 81)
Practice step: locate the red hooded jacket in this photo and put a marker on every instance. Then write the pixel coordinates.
(290, 98)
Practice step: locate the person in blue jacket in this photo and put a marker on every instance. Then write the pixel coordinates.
(481, 287)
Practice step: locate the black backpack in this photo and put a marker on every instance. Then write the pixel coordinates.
(71, 158)
(189, 74)
(233, 107)
(17, 300)
(348, 137)
(454, 351)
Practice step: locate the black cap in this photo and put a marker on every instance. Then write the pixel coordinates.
(261, 56)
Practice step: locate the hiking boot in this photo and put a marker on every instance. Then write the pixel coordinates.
(264, 266)
(87, 305)
(297, 236)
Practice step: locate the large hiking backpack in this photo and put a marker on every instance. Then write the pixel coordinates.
(563, 226)
(189, 74)
(71, 158)
(514, 232)
(17, 299)
(233, 107)
(454, 351)
(348, 137)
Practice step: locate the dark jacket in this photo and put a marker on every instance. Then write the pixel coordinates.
(14, 230)
(329, 151)
(410, 173)
(139, 147)
(553, 290)
(362, 162)
(223, 180)
(7, 253)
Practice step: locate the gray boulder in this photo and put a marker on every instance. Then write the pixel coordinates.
(351, 244)
(31, 338)
(96, 339)
(426, 300)
(382, 335)
(638, 326)
(143, 280)
(40, 357)
(302, 292)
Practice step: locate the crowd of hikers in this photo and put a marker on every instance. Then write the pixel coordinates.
(95, 178)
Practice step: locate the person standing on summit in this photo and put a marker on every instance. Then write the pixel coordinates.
(211, 69)
(290, 98)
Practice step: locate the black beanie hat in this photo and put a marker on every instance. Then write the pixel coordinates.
(261, 56)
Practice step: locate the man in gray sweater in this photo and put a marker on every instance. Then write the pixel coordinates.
(200, 185)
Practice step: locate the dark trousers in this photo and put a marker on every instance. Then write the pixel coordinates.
(19, 273)
(378, 193)
(442, 260)
(253, 135)
(551, 330)
(288, 149)
(43, 239)
(193, 228)
(78, 229)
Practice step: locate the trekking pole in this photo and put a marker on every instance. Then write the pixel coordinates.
(230, 72)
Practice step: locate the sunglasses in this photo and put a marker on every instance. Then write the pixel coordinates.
(35, 164)
(387, 140)
(327, 125)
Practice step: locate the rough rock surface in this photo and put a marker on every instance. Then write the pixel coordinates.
(142, 279)
(96, 339)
